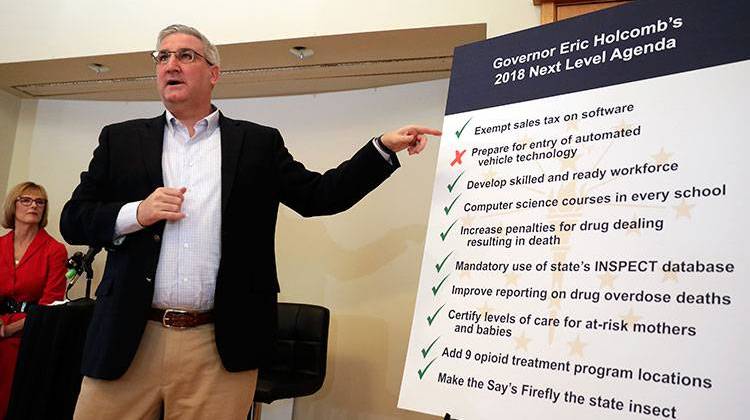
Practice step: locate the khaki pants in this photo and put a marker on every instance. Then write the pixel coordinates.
(180, 369)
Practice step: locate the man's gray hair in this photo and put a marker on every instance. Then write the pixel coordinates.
(209, 49)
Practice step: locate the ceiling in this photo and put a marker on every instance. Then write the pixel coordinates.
(258, 69)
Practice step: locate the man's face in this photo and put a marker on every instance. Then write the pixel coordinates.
(185, 83)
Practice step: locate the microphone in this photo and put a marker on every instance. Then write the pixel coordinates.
(79, 263)
(74, 265)
(75, 268)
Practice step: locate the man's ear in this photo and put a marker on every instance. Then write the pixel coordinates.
(214, 75)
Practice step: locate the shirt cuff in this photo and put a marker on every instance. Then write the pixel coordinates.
(385, 153)
(127, 220)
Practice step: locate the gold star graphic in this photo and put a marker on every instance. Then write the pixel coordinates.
(569, 163)
(489, 175)
(557, 280)
(552, 329)
(565, 236)
(568, 189)
(623, 125)
(525, 139)
(576, 346)
(511, 278)
(607, 280)
(464, 275)
(670, 276)
(554, 303)
(484, 309)
(522, 342)
(683, 209)
(636, 232)
(630, 318)
(572, 125)
(467, 220)
(661, 157)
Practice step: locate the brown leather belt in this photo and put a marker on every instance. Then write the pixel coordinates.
(178, 318)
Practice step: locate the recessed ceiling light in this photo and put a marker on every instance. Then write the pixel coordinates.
(301, 52)
(98, 68)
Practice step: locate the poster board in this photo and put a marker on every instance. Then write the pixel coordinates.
(585, 254)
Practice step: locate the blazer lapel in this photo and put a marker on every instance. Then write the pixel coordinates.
(231, 146)
(152, 144)
(6, 253)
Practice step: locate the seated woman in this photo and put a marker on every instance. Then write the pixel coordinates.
(32, 271)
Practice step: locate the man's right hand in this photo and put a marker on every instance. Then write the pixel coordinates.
(163, 204)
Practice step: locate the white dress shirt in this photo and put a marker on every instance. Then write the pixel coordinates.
(190, 248)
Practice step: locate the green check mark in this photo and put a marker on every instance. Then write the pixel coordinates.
(448, 209)
(439, 267)
(436, 288)
(445, 234)
(426, 351)
(450, 187)
(458, 132)
(430, 319)
(421, 372)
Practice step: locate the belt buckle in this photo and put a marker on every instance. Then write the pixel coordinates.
(167, 312)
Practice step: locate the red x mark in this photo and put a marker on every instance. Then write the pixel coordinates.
(459, 155)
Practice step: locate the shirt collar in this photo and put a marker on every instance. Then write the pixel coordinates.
(211, 121)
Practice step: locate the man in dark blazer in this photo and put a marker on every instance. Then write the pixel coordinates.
(133, 199)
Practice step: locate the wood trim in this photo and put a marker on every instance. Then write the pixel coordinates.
(549, 12)
(564, 2)
(572, 10)
(550, 9)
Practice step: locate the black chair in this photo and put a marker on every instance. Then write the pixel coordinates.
(299, 365)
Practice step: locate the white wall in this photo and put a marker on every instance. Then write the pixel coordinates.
(362, 264)
(45, 29)
(10, 107)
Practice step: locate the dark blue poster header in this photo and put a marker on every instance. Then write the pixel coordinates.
(636, 41)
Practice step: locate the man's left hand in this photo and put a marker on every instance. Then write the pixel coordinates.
(411, 137)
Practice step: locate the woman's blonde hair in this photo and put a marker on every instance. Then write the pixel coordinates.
(9, 207)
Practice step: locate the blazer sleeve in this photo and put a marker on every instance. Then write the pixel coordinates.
(310, 193)
(88, 218)
(54, 286)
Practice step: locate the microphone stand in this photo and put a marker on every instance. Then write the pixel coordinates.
(89, 276)
(79, 264)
